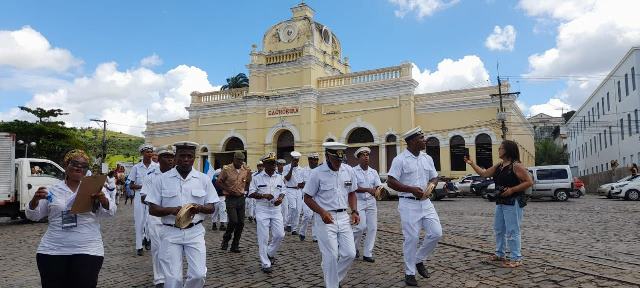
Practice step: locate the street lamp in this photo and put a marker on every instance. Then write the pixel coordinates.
(26, 146)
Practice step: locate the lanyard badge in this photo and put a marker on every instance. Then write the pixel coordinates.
(69, 220)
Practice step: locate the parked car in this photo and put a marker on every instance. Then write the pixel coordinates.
(464, 184)
(578, 188)
(553, 181)
(627, 190)
(606, 189)
(481, 188)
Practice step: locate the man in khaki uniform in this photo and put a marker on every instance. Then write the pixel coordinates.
(234, 180)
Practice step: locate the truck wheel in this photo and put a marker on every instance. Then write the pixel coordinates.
(561, 195)
(633, 195)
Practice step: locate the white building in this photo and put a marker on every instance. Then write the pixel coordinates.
(606, 126)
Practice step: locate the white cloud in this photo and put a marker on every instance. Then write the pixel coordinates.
(467, 72)
(592, 36)
(151, 61)
(28, 49)
(501, 39)
(423, 8)
(554, 107)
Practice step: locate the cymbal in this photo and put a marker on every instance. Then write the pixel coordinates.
(184, 218)
(429, 190)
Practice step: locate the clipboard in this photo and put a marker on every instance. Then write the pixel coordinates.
(89, 185)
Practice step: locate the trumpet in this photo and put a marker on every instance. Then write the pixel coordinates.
(428, 190)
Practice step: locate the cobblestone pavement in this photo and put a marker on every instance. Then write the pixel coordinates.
(587, 242)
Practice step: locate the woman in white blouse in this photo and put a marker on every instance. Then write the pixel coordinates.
(71, 251)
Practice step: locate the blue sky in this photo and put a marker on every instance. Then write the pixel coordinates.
(197, 44)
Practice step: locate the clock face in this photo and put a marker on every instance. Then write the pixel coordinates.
(288, 33)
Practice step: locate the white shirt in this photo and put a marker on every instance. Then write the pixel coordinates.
(265, 184)
(139, 172)
(330, 189)
(82, 239)
(295, 176)
(413, 170)
(171, 190)
(111, 186)
(147, 184)
(366, 179)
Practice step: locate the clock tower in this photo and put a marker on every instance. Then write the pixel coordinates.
(295, 53)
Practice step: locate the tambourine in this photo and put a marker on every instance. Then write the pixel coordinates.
(378, 192)
(184, 218)
(430, 187)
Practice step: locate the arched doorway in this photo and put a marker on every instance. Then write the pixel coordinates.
(231, 145)
(433, 150)
(456, 149)
(285, 143)
(362, 137)
(391, 150)
(484, 153)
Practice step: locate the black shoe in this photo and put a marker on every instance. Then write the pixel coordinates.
(410, 280)
(160, 285)
(287, 229)
(422, 270)
(267, 270)
(224, 246)
(147, 244)
(357, 253)
(294, 233)
(235, 250)
(368, 259)
(222, 227)
(272, 259)
(139, 252)
(214, 227)
(302, 237)
(315, 240)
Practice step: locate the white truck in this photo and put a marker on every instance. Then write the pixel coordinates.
(20, 178)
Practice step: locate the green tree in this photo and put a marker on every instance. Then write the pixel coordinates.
(53, 141)
(238, 81)
(42, 113)
(568, 115)
(549, 153)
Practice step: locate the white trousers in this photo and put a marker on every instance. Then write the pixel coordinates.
(268, 219)
(155, 235)
(250, 206)
(368, 211)
(140, 213)
(190, 243)
(220, 213)
(416, 215)
(307, 218)
(336, 246)
(284, 207)
(295, 207)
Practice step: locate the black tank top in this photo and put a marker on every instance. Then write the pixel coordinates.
(505, 176)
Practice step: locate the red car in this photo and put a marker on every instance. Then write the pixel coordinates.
(578, 188)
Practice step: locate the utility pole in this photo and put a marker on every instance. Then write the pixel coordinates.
(502, 116)
(104, 138)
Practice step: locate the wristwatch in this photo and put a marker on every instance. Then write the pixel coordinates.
(355, 211)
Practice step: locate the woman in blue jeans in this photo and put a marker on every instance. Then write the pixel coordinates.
(511, 179)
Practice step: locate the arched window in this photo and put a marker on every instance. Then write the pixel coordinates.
(285, 144)
(391, 150)
(361, 135)
(456, 149)
(234, 144)
(484, 154)
(329, 140)
(433, 150)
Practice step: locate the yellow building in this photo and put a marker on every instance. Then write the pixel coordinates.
(302, 93)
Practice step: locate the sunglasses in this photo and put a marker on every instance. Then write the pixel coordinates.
(79, 165)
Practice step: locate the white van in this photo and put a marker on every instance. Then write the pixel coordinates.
(553, 181)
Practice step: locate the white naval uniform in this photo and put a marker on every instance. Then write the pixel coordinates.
(154, 228)
(367, 209)
(284, 207)
(140, 211)
(330, 190)
(307, 213)
(294, 196)
(171, 190)
(416, 214)
(268, 216)
(250, 203)
(220, 213)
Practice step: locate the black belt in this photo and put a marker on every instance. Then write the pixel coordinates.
(189, 226)
(292, 187)
(409, 197)
(338, 210)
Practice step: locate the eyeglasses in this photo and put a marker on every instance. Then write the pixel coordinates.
(79, 165)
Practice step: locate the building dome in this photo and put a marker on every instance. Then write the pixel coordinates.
(301, 30)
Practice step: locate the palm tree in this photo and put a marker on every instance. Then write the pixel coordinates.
(238, 81)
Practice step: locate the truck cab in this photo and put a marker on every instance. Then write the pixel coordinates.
(30, 174)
